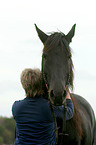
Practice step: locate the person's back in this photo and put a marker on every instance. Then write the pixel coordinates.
(34, 121)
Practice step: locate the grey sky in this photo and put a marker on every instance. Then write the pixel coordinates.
(21, 48)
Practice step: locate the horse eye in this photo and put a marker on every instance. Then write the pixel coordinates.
(69, 56)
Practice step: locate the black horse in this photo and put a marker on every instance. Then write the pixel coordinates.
(57, 69)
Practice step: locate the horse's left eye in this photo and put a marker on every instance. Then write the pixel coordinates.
(69, 56)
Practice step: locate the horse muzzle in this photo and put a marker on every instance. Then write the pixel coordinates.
(57, 98)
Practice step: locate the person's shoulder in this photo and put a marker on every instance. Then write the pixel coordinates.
(41, 101)
(41, 98)
(44, 100)
(16, 103)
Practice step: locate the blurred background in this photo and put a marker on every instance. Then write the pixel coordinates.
(21, 48)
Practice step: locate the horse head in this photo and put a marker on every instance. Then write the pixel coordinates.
(57, 66)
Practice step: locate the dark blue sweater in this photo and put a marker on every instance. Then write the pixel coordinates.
(34, 121)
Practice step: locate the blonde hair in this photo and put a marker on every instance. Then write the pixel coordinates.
(31, 81)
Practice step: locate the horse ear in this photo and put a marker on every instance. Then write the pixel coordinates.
(71, 33)
(43, 37)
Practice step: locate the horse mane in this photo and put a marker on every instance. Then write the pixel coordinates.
(76, 120)
(59, 40)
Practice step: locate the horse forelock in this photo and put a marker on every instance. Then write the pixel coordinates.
(52, 41)
(58, 40)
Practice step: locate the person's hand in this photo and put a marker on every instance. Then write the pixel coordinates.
(68, 95)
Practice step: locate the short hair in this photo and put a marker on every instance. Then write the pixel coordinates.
(31, 80)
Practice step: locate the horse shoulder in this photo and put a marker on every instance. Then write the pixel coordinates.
(85, 108)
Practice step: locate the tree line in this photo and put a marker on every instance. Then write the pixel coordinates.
(7, 131)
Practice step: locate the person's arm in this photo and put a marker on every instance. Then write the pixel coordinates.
(68, 96)
(70, 107)
(59, 110)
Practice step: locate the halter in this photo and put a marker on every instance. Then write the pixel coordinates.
(63, 133)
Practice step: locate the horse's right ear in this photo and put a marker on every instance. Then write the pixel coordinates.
(43, 37)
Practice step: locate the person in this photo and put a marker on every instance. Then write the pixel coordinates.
(34, 120)
(33, 117)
